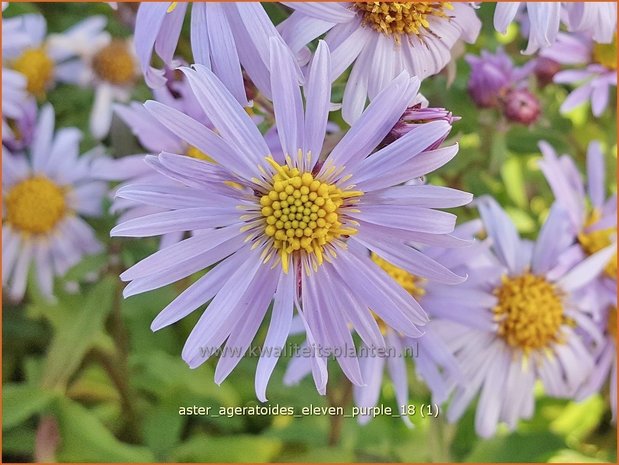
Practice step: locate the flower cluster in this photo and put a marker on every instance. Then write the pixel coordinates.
(301, 185)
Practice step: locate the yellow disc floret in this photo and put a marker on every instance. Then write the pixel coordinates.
(395, 18)
(115, 63)
(606, 54)
(38, 68)
(411, 283)
(529, 312)
(35, 206)
(301, 213)
(594, 241)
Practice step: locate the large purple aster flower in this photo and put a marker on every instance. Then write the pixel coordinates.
(224, 38)
(519, 322)
(280, 226)
(382, 39)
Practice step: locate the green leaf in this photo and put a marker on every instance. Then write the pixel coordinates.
(517, 447)
(73, 340)
(237, 448)
(163, 426)
(85, 439)
(21, 401)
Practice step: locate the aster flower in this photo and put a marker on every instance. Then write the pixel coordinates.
(42, 60)
(520, 322)
(279, 226)
(592, 213)
(109, 65)
(493, 75)
(45, 197)
(382, 39)
(596, 72)
(225, 37)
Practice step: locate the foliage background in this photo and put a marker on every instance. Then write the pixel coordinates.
(86, 380)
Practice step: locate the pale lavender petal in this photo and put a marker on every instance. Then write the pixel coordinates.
(501, 230)
(149, 19)
(587, 270)
(167, 38)
(200, 292)
(224, 57)
(421, 164)
(279, 327)
(247, 325)
(375, 123)
(327, 11)
(287, 102)
(504, 14)
(596, 174)
(231, 121)
(408, 218)
(318, 97)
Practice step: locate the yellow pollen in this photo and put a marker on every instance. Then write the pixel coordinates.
(38, 68)
(35, 205)
(115, 63)
(172, 7)
(611, 325)
(395, 18)
(196, 153)
(411, 283)
(595, 241)
(301, 213)
(529, 312)
(606, 54)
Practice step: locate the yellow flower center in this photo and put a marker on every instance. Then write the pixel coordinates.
(595, 241)
(411, 283)
(611, 325)
(194, 152)
(35, 205)
(115, 63)
(529, 312)
(606, 54)
(395, 18)
(38, 68)
(301, 213)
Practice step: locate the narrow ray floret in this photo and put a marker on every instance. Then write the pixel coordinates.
(279, 226)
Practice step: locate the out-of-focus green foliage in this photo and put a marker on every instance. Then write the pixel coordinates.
(89, 366)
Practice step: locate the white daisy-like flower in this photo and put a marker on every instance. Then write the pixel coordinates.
(45, 195)
(108, 65)
(380, 40)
